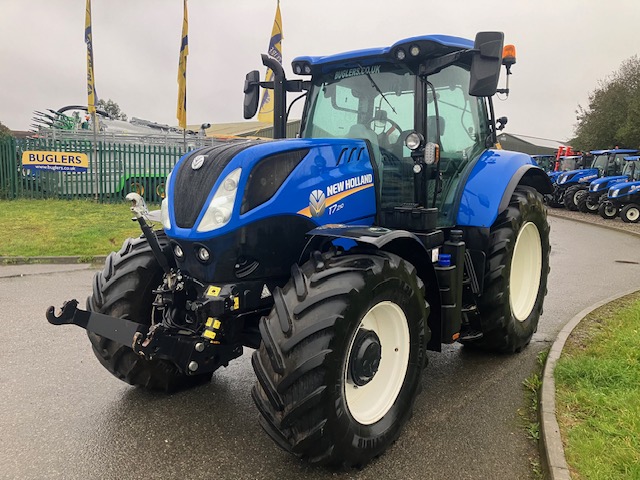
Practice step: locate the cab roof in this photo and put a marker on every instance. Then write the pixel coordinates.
(450, 43)
(615, 150)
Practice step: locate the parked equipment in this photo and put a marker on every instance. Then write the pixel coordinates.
(392, 226)
(623, 198)
(571, 185)
(598, 189)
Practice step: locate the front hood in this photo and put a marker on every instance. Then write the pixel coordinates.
(291, 177)
(624, 188)
(605, 182)
(578, 176)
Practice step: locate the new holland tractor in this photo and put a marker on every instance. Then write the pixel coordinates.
(598, 189)
(573, 184)
(392, 226)
(623, 198)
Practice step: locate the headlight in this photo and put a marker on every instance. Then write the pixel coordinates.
(414, 141)
(594, 187)
(219, 210)
(164, 205)
(615, 193)
(563, 179)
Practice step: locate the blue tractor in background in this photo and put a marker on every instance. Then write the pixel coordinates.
(573, 184)
(598, 189)
(623, 198)
(392, 226)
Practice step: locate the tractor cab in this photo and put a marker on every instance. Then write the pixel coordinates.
(610, 162)
(401, 113)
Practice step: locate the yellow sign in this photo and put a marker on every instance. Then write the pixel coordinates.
(213, 291)
(60, 161)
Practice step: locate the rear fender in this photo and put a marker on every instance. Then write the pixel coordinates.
(492, 182)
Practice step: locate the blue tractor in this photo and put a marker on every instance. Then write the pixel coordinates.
(597, 193)
(573, 184)
(391, 226)
(623, 198)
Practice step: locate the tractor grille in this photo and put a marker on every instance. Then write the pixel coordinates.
(192, 187)
(267, 177)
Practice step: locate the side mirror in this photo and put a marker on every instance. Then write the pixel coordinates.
(502, 122)
(486, 63)
(251, 94)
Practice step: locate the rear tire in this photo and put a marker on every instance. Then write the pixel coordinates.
(516, 274)
(630, 213)
(124, 289)
(607, 211)
(313, 355)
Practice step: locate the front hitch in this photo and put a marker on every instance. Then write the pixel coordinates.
(117, 329)
(192, 354)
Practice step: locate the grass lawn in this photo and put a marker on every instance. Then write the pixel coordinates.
(598, 393)
(63, 227)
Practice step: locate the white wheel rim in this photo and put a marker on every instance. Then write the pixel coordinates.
(370, 402)
(633, 214)
(610, 211)
(577, 195)
(526, 271)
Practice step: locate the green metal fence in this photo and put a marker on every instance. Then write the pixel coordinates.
(115, 169)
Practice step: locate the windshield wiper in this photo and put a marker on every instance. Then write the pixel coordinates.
(375, 85)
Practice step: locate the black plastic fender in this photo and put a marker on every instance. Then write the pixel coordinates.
(529, 175)
(417, 249)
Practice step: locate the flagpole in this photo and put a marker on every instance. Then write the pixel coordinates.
(96, 171)
(181, 112)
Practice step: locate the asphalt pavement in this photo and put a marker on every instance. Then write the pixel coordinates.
(62, 416)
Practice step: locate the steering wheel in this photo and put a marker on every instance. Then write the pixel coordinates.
(386, 132)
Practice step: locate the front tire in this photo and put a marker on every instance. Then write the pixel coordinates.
(607, 211)
(572, 196)
(587, 205)
(516, 274)
(124, 289)
(630, 213)
(320, 392)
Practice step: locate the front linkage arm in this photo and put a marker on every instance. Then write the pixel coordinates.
(192, 354)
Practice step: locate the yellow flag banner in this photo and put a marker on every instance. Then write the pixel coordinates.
(181, 113)
(265, 114)
(92, 96)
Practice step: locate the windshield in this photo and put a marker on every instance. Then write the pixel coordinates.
(631, 171)
(608, 164)
(346, 101)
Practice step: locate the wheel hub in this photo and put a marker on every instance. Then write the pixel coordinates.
(365, 357)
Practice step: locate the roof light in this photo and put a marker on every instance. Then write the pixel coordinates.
(509, 55)
(400, 54)
(297, 69)
(414, 50)
(307, 69)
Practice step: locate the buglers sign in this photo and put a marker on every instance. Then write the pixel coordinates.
(60, 161)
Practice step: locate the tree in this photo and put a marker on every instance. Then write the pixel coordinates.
(112, 109)
(613, 115)
(4, 131)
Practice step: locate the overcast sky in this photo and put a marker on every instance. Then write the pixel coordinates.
(564, 48)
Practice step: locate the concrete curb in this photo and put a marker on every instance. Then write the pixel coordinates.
(554, 213)
(96, 259)
(553, 450)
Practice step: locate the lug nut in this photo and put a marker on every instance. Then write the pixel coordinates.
(193, 366)
(199, 348)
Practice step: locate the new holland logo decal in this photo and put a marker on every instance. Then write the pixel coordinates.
(317, 203)
(320, 202)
